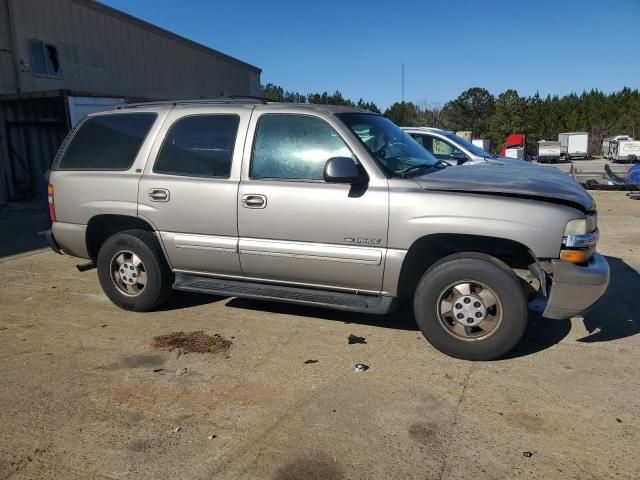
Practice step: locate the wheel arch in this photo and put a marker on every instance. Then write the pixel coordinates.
(101, 227)
(427, 250)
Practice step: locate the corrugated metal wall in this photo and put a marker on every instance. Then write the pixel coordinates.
(106, 52)
(32, 131)
(7, 68)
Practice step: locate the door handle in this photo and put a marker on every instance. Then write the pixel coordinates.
(159, 195)
(254, 201)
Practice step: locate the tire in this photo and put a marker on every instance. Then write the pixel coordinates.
(502, 322)
(121, 249)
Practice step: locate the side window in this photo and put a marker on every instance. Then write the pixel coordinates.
(294, 147)
(441, 148)
(199, 146)
(107, 142)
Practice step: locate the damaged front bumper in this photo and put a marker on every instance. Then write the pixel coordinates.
(575, 288)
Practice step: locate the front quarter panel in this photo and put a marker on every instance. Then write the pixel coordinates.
(415, 213)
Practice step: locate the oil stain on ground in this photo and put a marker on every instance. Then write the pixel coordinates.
(318, 466)
(138, 361)
(192, 342)
(424, 433)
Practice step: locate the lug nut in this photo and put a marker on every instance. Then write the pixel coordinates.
(466, 300)
(478, 314)
(458, 306)
(460, 316)
(469, 320)
(477, 304)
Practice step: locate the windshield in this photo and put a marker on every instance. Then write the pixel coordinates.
(394, 150)
(474, 149)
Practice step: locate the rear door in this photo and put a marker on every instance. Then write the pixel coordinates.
(190, 185)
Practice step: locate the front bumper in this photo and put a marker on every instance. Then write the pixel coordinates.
(575, 288)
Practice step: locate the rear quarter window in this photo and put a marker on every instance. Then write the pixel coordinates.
(107, 142)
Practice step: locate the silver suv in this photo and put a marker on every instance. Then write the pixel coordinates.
(320, 205)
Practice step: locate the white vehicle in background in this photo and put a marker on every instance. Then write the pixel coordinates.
(623, 149)
(449, 147)
(574, 145)
(483, 143)
(548, 151)
(608, 142)
(516, 152)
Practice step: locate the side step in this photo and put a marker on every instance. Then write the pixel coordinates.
(303, 296)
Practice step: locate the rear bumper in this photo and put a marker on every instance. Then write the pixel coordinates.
(69, 239)
(51, 240)
(576, 288)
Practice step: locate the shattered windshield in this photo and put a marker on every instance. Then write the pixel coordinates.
(392, 147)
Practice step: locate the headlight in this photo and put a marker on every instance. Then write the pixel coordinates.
(580, 238)
(581, 226)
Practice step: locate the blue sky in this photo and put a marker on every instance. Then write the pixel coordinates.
(357, 47)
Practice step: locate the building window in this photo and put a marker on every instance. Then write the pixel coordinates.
(44, 59)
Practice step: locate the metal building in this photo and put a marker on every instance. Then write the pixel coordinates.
(61, 59)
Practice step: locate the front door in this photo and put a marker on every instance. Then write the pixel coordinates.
(294, 227)
(190, 185)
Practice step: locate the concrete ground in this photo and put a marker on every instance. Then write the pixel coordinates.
(83, 394)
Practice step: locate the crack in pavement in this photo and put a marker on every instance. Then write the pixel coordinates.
(449, 439)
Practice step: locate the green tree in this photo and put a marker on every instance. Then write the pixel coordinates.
(405, 114)
(508, 116)
(470, 111)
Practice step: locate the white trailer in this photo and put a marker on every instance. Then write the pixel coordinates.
(548, 151)
(80, 107)
(574, 144)
(608, 142)
(483, 143)
(627, 150)
(516, 152)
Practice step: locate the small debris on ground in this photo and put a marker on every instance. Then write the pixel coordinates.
(527, 454)
(307, 362)
(193, 342)
(211, 437)
(361, 367)
(618, 420)
(353, 339)
(177, 429)
(181, 371)
(105, 325)
(159, 370)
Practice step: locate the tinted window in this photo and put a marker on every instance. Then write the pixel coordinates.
(294, 147)
(107, 142)
(199, 146)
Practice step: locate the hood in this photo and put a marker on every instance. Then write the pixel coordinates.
(523, 179)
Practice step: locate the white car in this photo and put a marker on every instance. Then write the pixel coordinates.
(449, 147)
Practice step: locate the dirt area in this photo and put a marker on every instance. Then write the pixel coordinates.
(193, 342)
(85, 395)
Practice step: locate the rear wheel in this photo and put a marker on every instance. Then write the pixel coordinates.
(133, 271)
(471, 306)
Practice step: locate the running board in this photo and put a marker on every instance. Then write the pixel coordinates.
(303, 296)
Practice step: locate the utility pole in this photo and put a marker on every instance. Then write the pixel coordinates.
(402, 70)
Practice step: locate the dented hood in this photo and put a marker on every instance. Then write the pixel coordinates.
(521, 179)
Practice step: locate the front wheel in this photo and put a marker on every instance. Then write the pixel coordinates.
(133, 271)
(471, 306)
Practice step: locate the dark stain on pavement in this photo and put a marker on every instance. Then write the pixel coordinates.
(138, 361)
(317, 466)
(424, 433)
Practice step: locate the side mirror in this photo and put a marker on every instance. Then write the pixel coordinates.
(343, 170)
(459, 157)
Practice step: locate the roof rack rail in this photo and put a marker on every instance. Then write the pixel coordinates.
(202, 101)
